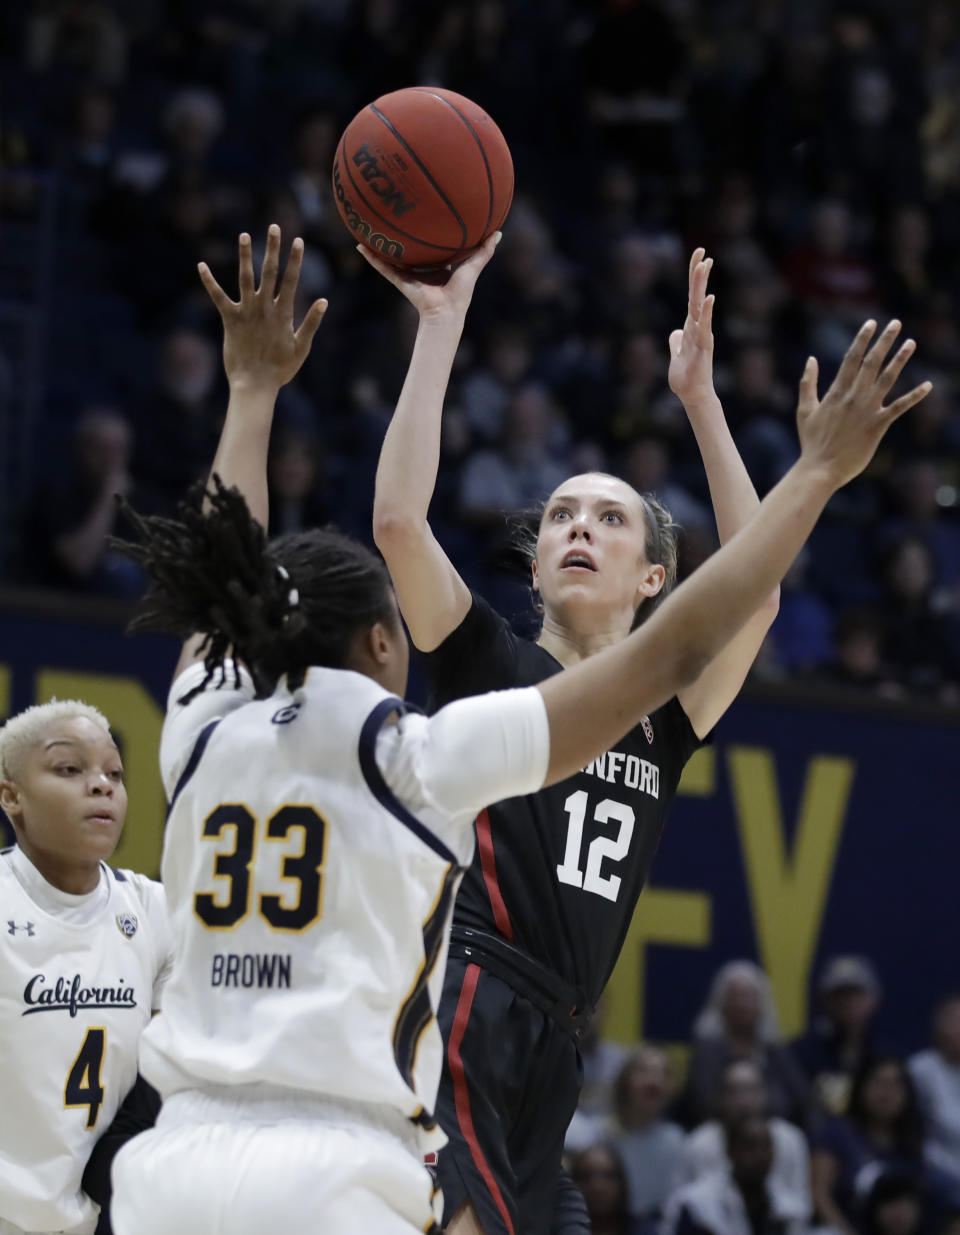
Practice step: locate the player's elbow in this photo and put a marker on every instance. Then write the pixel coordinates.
(395, 530)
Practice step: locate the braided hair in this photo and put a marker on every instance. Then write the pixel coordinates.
(277, 606)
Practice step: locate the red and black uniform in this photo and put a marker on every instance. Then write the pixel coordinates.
(538, 925)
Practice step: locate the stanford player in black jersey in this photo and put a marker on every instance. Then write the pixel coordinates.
(547, 902)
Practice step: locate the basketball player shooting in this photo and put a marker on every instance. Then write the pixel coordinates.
(544, 909)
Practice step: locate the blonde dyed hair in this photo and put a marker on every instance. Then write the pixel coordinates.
(27, 727)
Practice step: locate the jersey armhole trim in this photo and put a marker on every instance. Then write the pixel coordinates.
(194, 761)
(379, 787)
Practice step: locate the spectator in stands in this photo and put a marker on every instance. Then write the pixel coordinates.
(895, 1205)
(882, 1132)
(527, 466)
(800, 639)
(649, 1144)
(841, 1038)
(602, 1061)
(69, 525)
(936, 1075)
(742, 1198)
(919, 646)
(739, 1022)
(744, 1093)
(177, 435)
(297, 486)
(858, 659)
(599, 1174)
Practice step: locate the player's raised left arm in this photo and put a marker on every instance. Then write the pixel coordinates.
(734, 498)
(261, 352)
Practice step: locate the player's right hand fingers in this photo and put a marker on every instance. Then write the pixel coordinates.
(221, 300)
(246, 266)
(905, 402)
(291, 277)
(309, 326)
(853, 359)
(271, 262)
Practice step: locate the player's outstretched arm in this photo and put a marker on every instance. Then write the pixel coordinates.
(732, 494)
(433, 598)
(261, 352)
(591, 705)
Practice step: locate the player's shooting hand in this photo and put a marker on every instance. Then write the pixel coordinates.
(449, 296)
(260, 346)
(691, 349)
(841, 432)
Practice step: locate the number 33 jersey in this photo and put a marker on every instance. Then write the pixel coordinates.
(310, 906)
(558, 872)
(79, 979)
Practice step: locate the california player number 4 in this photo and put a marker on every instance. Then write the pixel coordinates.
(614, 848)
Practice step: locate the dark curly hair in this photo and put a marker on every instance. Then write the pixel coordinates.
(278, 606)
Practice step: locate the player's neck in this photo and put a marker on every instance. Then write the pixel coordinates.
(569, 647)
(76, 879)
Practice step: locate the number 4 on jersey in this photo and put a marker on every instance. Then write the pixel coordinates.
(84, 1086)
(613, 847)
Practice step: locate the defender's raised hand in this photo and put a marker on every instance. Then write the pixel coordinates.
(451, 297)
(260, 346)
(841, 432)
(691, 349)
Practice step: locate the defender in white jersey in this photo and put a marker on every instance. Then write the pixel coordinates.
(84, 950)
(317, 831)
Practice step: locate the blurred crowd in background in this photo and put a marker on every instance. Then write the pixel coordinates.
(813, 147)
(833, 1132)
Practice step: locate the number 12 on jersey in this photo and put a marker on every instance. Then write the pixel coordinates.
(614, 848)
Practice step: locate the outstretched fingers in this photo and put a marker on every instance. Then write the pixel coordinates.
(271, 262)
(881, 349)
(303, 338)
(245, 265)
(808, 386)
(905, 402)
(886, 380)
(221, 300)
(291, 278)
(853, 360)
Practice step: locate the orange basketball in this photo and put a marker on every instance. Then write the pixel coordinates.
(422, 176)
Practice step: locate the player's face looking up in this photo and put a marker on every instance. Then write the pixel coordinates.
(592, 567)
(67, 802)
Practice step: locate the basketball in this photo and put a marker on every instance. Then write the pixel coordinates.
(422, 176)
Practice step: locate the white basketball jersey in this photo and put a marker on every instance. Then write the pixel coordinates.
(74, 998)
(310, 908)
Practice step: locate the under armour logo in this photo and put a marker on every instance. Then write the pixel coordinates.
(13, 927)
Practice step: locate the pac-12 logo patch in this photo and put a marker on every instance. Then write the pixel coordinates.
(127, 924)
(647, 728)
